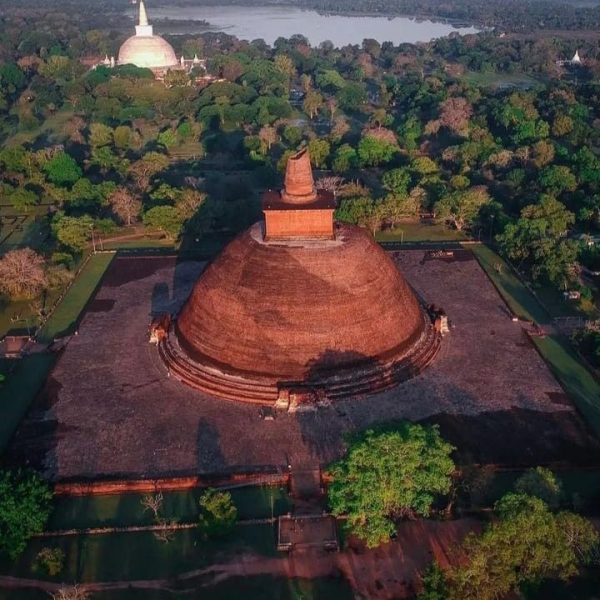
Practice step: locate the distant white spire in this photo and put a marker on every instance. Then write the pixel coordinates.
(143, 27)
(182, 61)
(196, 59)
(576, 60)
(143, 15)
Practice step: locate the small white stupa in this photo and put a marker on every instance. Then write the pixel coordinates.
(145, 49)
(576, 60)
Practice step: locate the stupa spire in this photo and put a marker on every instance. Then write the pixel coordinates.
(143, 22)
(299, 184)
(143, 28)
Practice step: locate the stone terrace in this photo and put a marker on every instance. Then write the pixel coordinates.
(109, 408)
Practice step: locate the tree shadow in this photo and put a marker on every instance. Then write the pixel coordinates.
(210, 458)
(514, 437)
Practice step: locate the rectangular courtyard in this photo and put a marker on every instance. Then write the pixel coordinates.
(109, 408)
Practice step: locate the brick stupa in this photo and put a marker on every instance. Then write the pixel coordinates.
(301, 306)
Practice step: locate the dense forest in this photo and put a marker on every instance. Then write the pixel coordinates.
(484, 133)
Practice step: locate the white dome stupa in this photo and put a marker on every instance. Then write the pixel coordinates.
(144, 49)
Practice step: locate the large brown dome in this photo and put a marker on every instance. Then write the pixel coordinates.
(296, 310)
(333, 313)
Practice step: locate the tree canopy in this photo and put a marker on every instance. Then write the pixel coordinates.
(389, 475)
(25, 505)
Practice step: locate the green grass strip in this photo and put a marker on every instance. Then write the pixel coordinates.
(139, 555)
(575, 378)
(20, 389)
(64, 319)
(123, 510)
(517, 296)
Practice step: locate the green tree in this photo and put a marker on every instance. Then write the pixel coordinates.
(319, 150)
(72, 232)
(423, 166)
(374, 151)
(390, 475)
(461, 208)
(25, 505)
(344, 159)
(352, 96)
(410, 132)
(122, 137)
(100, 135)
(107, 160)
(218, 514)
(166, 218)
(354, 210)
(330, 80)
(168, 138)
(286, 66)
(540, 483)
(397, 181)
(50, 560)
(15, 159)
(434, 582)
(62, 169)
(537, 240)
(22, 199)
(292, 135)
(557, 179)
(313, 103)
(525, 545)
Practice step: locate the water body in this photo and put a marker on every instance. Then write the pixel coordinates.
(271, 22)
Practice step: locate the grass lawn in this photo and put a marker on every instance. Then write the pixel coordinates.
(66, 315)
(496, 80)
(139, 555)
(20, 389)
(421, 232)
(126, 509)
(19, 315)
(580, 384)
(20, 229)
(517, 296)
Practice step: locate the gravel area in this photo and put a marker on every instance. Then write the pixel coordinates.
(109, 409)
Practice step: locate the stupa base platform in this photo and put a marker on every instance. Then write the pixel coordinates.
(358, 379)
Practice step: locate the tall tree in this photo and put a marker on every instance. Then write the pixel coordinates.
(25, 505)
(526, 544)
(390, 475)
(22, 273)
(125, 205)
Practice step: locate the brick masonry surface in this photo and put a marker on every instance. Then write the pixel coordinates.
(109, 408)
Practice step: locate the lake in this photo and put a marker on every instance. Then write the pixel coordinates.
(271, 22)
